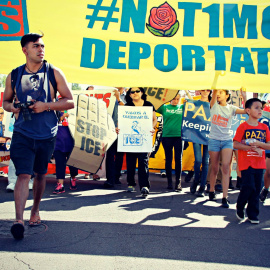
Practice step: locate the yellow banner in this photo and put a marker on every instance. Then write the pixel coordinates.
(149, 43)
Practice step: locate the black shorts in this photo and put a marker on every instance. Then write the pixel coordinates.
(31, 155)
(267, 155)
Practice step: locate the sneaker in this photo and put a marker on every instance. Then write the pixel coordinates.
(59, 189)
(163, 174)
(131, 188)
(212, 196)
(263, 194)
(240, 215)
(178, 188)
(10, 187)
(145, 191)
(254, 220)
(225, 203)
(72, 184)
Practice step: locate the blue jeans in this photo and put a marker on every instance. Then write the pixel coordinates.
(200, 160)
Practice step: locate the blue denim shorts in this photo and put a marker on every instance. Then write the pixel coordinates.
(30, 155)
(216, 145)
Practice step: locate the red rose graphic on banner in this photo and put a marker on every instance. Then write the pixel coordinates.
(163, 21)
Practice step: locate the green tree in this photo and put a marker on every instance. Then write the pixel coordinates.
(76, 86)
(3, 80)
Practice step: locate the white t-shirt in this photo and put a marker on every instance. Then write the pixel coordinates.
(221, 121)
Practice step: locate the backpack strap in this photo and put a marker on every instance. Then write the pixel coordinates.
(14, 76)
(52, 78)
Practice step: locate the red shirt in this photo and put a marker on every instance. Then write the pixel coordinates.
(251, 158)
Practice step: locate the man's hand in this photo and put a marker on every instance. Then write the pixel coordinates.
(39, 106)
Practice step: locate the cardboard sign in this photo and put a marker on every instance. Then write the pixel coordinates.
(94, 133)
(159, 96)
(4, 158)
(106, 95)
(135, 124)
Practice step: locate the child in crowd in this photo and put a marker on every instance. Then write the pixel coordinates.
(250, 139)
(220, 141)
(63, 148)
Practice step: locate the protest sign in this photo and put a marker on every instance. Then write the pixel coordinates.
(106, 95)
(135, 124)
(94, 133)
(159, 96)
(196, 121)
(173, 44)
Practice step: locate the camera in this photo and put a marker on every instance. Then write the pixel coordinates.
(26, 112)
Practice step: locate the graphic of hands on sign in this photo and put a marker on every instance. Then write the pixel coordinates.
(94, 134)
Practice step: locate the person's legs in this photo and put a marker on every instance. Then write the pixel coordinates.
(21, 193)
(44, 150)
(168, 149)
(110, 165)
(266, 178)
(267, 174)
(253, 200)
(60, 165)
(205, 163)
(38, 190)
(226, 163)
(131, 159)
(143, 171)
(178, 148)
(118, 165)
(197, 166)
(214, 158)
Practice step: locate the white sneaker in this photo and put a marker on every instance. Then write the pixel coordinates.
(31, 182)
(10, 187)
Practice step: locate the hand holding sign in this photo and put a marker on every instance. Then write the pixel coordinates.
(94, 134)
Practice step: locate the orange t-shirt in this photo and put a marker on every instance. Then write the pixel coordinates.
(251, 158)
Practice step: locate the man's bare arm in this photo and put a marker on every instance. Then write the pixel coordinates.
(9, 97)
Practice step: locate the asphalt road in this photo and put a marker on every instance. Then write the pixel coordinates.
(94, 228)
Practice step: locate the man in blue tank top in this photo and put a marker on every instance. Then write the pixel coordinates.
(33, 102)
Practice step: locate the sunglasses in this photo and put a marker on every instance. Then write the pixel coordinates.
(136, 91)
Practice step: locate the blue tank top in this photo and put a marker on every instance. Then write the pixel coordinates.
(35, 86)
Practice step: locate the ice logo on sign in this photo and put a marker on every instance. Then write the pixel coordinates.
(136, 137)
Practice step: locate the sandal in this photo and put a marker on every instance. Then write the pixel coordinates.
(34, 220)
(17, 229)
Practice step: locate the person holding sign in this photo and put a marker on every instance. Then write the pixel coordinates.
(171, 139)
(136, 97)
(201, 159)
(220, 141)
